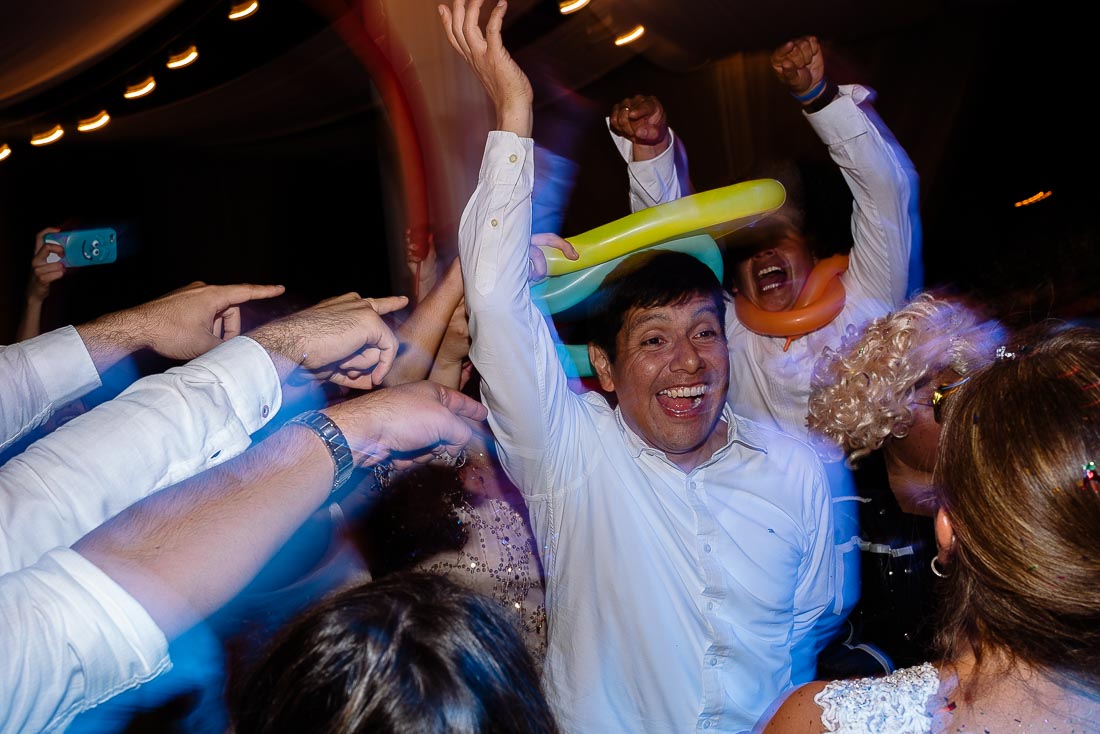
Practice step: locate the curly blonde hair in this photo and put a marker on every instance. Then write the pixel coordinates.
(862, 392)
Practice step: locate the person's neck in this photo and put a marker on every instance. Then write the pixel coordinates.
(911, 486)
(1011, 694)
(690, 461)
(484, 477)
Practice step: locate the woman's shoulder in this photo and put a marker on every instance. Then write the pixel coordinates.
(895, 703)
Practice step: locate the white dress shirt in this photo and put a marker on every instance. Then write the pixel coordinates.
(673, 599)
(73, 638)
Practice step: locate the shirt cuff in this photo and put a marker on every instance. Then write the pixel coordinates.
(250, 378)
(504, 158)
(62, 362)
(131, 624)
(842, 119)
(626, 148)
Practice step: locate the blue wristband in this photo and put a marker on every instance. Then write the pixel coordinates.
(811, 93)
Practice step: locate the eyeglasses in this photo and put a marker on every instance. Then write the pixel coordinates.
(939, 395)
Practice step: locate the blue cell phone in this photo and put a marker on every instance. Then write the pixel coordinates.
(85, 246)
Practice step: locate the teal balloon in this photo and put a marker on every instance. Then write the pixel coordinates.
(561, 292)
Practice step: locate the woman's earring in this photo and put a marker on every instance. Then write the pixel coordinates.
(937, 570)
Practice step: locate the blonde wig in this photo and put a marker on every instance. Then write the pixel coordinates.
(862, 392)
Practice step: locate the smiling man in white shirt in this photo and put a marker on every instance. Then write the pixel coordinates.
(686, 548)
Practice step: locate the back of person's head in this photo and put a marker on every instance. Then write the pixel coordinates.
(410, 653)
(648, 279)
(862, 392)
(1014, 478)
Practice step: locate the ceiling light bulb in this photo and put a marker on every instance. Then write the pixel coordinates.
(5, 151)
(183, 58)
(94, 122)
(634, 35)
(571, 6)
(239, 11)
(141, 88)
(50, 136)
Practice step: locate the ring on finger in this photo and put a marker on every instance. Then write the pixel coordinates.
(442, 458)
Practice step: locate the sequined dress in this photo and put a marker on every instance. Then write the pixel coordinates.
(898, 703)
(429, 521)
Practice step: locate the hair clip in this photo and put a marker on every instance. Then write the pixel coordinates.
(1090, 477)
(1003, 354)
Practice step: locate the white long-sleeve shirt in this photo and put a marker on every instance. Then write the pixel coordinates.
(72, 637)
(673, 598)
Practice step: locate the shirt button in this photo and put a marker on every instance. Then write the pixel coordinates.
(493, 222)
(707, 547)
(264, 411)
(513, 158)
(693, 485)
(710, 605)
(706, 724)
(713, 661)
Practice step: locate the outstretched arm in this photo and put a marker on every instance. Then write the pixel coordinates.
(170, 426)
(885, 219)
(88, 623)
(524, 385)
(186, 551)
(41, 374)
(434, 337)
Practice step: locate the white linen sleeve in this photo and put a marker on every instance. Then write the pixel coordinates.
(532, 411)
(884, 184)
(72, 639)
(657, 180)
(39, 375)
(159, 431)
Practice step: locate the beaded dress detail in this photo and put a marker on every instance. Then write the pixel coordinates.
(897, 703)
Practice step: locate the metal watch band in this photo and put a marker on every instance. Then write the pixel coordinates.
(334, 440)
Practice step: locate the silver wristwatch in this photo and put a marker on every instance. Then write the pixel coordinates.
(334, 440)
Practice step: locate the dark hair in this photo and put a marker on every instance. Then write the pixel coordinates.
(649, 279)
(1025, 573)
(412, 653)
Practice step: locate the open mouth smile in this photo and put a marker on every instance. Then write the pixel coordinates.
(770, 278)
(681, 400)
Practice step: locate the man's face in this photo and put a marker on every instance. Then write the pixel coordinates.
(670, 378)
(773, 275)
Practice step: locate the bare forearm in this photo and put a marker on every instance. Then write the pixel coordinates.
(423, 332)
(112, 337)
(187, 550)
(30, 325)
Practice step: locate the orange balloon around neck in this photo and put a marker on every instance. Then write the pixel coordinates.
(819, 302)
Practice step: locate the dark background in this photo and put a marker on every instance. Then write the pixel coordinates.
(275, 163)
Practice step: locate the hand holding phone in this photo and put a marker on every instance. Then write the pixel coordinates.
(85, 246)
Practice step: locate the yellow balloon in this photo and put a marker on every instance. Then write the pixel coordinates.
(716, 212)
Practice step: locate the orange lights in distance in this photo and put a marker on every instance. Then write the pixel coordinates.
(1032, 199)
(634, 35)
(140, 89)
(240, 11)
(571, 6)
(183, 58)
(95, 122)
(50, 136)
(5, 151)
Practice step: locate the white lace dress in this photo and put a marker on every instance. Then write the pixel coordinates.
(900, 703)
